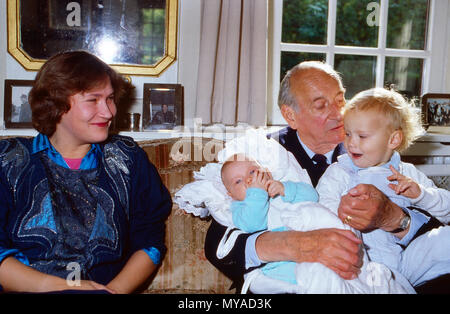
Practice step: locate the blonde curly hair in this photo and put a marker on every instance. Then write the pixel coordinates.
(401, 112)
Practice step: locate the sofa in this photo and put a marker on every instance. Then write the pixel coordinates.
(185, 268)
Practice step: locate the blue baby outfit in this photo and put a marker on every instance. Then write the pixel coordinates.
(250, 215)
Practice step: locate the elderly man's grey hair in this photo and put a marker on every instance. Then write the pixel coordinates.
(285, 97)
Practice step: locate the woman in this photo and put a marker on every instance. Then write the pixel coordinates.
(78, 209)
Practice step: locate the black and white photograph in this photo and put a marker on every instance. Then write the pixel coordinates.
(17, 112)
(163, 106)
(436, 108)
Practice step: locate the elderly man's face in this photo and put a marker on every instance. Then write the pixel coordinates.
(320, 100)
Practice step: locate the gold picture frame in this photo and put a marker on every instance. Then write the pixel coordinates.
(34, 64)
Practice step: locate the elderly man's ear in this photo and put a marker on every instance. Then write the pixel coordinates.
(289, 114)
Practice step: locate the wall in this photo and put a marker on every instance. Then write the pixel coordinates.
(447, 61)
(439, 80)
(3, 53)
(188, 52)
(183, 71)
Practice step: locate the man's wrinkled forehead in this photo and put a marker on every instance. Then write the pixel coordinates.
(314, 77)
(312, 84)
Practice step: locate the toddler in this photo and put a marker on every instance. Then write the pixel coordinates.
(379, 124)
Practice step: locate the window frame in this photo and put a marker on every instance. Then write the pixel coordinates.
(434, 54)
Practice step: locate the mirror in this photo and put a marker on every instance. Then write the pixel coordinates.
(136, 37)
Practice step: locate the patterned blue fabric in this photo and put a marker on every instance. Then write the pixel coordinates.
(42, 143)
(97, 217)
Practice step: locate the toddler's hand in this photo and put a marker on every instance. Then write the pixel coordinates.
(274, 188)
(405, 186)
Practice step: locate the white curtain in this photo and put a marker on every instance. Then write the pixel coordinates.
(233, 62)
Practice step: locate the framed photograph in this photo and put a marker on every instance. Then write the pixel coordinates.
(17, 111)
(436, 112)
(162, 106)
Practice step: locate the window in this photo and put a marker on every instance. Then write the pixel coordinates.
(371, 43)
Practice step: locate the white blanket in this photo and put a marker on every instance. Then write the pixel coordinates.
(208, 196)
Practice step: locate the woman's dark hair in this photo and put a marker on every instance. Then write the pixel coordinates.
(65, 75)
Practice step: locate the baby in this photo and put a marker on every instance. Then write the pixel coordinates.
(251, 187)
(379, 124)
(254, 193)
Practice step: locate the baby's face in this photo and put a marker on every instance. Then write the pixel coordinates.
(367, 138)
(238, 176)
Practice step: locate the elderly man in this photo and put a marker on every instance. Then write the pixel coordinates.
(311, 98)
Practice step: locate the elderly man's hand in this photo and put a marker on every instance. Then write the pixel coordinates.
(337, 249)
(366, 208)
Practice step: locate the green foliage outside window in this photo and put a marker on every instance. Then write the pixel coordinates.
(305, 22)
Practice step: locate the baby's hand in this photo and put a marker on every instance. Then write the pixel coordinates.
(274, 188)
(260, 179)
(405, 186)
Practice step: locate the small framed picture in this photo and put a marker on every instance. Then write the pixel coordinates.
(17, 111)
(162, 106)
(436, 111)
